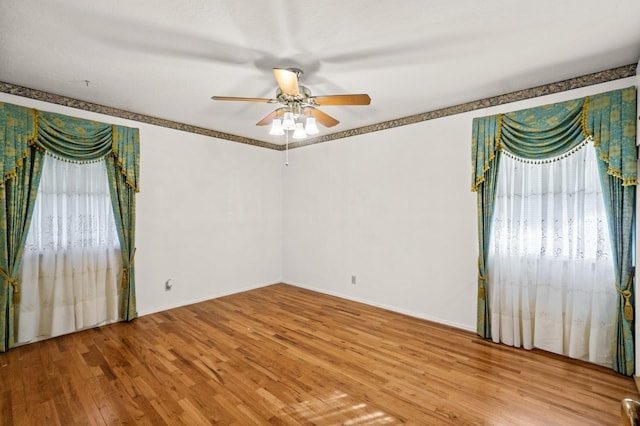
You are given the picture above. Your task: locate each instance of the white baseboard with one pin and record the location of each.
(319, 290)
(384, 306)
(201, 299)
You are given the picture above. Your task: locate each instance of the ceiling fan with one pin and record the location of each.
(298, 105)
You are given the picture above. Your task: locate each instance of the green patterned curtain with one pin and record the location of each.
(81, 140)
(545, 131)
(25, 135)
(73, 139)
(122, 169)
(550, 131)
(484, 139)
(21, 166)
(612, 122)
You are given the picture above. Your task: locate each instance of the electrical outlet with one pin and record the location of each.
(353, 279)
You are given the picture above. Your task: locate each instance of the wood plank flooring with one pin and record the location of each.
(288, 356)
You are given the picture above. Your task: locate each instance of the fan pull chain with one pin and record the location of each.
(286, 150)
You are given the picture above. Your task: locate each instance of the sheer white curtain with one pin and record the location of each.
(71, 264)
(551, 273)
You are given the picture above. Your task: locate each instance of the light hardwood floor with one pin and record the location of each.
(285, 355)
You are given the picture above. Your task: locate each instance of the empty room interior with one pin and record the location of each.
(279, 212)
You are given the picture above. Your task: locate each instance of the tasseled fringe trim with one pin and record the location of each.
(583, 121)
(19, 165)
(497, 146)
(617, 173)
(67, 160)
(548, 160)
(497, 142)
(120, 162)
(604, 156)
(32, 142)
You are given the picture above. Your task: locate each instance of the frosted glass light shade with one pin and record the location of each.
(276, 127)
(311, 128)
(299, 132)
(288, 122)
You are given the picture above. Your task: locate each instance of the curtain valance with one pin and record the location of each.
(25, 135)
(17, 134)
(552, 130)
(69, 138)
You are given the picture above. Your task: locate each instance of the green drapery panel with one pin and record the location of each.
(619, 203)
(126, 153)
(551, 131)
(26, 135)
(612, 119)
(122, 170)
(485, 134)
(123, 200)
(21, 171)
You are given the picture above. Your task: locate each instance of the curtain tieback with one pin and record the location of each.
(628, 308)
(14, 284)
(125, 271)
(481, 291)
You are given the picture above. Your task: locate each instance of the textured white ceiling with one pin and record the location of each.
(166, 58)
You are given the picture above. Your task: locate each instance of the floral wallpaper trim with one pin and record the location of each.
(547, 89)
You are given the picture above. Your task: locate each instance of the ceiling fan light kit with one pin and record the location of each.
(288, 122)
(311, 128)
(299, 133)
(298, 113)
(276, 127)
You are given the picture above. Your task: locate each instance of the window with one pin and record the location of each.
(72, 259)
(552, 280)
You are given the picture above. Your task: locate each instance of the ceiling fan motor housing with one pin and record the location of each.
(298, 102)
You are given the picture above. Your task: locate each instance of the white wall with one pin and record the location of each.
(209, 214)
(395, 209)
(389, 207)
(212, 222)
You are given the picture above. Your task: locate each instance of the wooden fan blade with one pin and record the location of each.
(287, 80)
(325, 119)
(361, 99)
(234, 98)
(267, 120)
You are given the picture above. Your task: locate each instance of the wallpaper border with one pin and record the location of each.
(534, 92)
